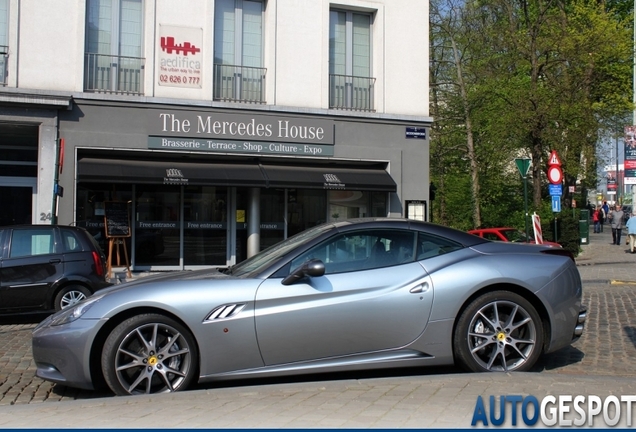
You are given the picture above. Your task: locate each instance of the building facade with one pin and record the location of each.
(219, 126)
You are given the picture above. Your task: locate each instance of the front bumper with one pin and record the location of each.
(62, 353)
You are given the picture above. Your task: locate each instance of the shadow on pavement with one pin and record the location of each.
(630, 332)
(564, 357)
(27, 318)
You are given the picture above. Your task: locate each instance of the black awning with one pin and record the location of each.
(166, 172)
(329, 177)
(90, 169)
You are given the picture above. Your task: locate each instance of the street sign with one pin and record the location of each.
(556, 204)
(555, 175)
(554, 159)
(555, 189)
(523, 165)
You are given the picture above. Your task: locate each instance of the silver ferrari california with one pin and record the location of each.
(350, 295)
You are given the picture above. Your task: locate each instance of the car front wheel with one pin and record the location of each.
(498, 331)
(69, 296)
(149, 353)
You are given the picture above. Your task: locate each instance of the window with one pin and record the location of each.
(4, 40)
(363, 250)
(31, 242)
(429, 246)
(350, 81)
(70, 242)
(238, 51)
(113, 62)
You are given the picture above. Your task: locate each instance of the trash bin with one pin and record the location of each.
(584, 227)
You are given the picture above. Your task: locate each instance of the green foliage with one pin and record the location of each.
(566, 225)
(518, 79)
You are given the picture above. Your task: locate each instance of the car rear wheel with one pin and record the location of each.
(70, 295)
(149, 353)
(498, 331)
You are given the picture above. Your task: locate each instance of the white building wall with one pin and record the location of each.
(50, 36)
(50, 41)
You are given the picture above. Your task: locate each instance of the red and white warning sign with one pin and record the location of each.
(536, 227)
(554, 159)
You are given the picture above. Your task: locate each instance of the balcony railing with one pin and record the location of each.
(113, 74)
(239, 83)
(351, 92)
(4, 62)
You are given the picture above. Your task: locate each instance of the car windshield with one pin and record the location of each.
(276, 251)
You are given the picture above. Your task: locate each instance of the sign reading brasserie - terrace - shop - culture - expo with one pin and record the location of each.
(239, 133)
(180, 56)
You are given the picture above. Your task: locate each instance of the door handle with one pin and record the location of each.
(55, 261)
(421, 288)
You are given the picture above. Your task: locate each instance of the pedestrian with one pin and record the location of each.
(631, 231)
(601, 217)
(617, 224)
(605, 208)
(595, 220)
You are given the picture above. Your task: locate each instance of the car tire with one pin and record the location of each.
(498, 331)
(147, 354)
(70, 295)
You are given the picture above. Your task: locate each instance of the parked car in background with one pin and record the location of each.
(350, 295)
(506, 234)
(48, 267)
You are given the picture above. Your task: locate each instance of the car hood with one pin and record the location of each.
(183, 275)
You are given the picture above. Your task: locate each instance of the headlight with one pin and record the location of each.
(72, 313)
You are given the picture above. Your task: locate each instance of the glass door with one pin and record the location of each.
(205, 225)
(157, 227)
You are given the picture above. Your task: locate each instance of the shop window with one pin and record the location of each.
(356, 204)
(89, 208)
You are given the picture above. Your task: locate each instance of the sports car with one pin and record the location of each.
(348, 295)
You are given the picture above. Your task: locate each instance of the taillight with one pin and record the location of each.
(99, 268)
(560, 252)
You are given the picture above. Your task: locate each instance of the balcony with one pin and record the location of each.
(348, 92)
(239, 83)
(4, 62)
(113, 74)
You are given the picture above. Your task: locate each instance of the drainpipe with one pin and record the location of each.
(57, 191)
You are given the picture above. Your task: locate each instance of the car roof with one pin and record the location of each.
(458, 236)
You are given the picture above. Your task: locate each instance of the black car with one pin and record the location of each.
(48, 267)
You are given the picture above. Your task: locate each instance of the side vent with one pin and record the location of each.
(225, 312)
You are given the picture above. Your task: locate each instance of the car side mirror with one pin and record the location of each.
(313, 268)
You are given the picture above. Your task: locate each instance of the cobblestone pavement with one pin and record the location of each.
(598, 363)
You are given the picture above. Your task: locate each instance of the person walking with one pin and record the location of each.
(605, 208)
(631, 231)
(617, 224)
(601, 217)
(595, 220)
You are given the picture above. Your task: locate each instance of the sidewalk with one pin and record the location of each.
(601, 261)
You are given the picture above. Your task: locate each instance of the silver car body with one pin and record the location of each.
(396, 316)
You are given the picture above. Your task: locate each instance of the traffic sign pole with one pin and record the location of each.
(555, 176)
(523, 165)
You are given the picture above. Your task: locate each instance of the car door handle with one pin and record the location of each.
(420, 288)
(55, 261)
